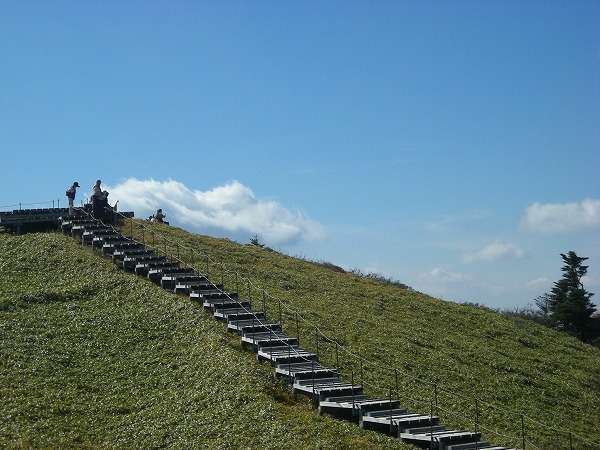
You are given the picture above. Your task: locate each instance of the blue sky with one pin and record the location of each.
(409, 138)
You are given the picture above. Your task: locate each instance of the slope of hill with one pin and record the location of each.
(93, 357)
(512, 366)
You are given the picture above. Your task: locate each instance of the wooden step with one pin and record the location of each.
(157, 273)
(208, 296)
(188, 287)
(440, 439)
(238, 314)
(260, 340)
(305, 371)
(247, 326)
(119, 255)
(143, 268)
(351, 408)
(323, 388)
(88, 237)
(400, 418)
(284, 354)
(483, 445)
(120, 248)
(221, 304)
(169, 281)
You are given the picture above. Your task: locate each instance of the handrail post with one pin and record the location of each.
(297, 329)
(390, 405)
(570, 441)
(312, 366)
(222, 275)
(352, 388)
(435, 393)
(207, 267)
(197, 258)
(264, 299)
(476, 421)
(431, 424)
(337, 357)
(290, 364)
(396, 378)
(317, 340)
(523, 431)
(362, 372)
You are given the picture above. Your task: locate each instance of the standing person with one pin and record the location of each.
(71, 196)
(96, 191)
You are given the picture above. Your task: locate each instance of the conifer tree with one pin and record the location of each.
(570, 305)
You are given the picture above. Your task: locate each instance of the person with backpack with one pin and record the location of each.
(71, 196)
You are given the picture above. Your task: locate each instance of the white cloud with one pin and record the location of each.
(438, 274)
(441, 282)
(459, 286)
(537, 283)
(591, 280)
(230, 210)
(495, 251)
(448, 221)
(562, 217)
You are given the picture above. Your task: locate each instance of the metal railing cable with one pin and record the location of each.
(385, 368)
(390, 370)
(333, 341)
(286, 306)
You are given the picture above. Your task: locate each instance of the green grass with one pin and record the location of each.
(513, 365)
(93, 357)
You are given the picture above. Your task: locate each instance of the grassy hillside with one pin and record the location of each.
(514, 366)
(93, 357)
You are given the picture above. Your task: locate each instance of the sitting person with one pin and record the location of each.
(159, 216)
(100, 206)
